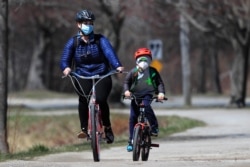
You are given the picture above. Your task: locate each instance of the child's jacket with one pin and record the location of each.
(148, 82)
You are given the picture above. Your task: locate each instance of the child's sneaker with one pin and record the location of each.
(129, 146)
(154, 132)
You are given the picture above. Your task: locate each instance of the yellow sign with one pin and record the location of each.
(157, 64)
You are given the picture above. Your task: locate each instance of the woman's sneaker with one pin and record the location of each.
(109, 135)
(129, 146)
(83, 134)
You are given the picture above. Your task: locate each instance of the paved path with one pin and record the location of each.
(173, 102)
(224, 142)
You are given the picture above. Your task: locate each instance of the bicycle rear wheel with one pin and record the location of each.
(95, 140)
(137, 143)
(146, 144)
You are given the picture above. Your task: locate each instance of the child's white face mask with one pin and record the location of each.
(143, 63)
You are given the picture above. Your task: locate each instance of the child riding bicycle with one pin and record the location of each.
(143, 81)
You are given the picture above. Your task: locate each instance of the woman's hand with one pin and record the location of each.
(66, 71)
(120, 69)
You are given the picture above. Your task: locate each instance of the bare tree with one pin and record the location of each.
(35, 80)
(186, 71)
(4, 148)
(115, 11)
(215, 66)
(227, 20)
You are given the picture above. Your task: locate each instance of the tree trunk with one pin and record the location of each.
(239, 75)
(35, 81)
(201, 73)
(116, 20)
(116, 92)
(215, 72)
(186, 72)
(4, 147)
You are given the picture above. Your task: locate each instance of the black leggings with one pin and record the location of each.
(103, 89)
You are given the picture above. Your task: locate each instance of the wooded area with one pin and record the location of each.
(45, 27)
(218, 43)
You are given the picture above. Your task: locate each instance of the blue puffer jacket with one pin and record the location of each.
(88, 58)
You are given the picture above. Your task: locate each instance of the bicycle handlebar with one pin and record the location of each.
(73, 77)
(95, 76)
(132, 97)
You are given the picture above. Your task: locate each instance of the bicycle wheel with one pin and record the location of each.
(146, 144)
(95, 141)
(137, 143)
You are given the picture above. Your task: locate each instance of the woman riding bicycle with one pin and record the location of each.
(92, 54)
(143, 82)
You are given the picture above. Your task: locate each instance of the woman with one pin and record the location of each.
(92, 54)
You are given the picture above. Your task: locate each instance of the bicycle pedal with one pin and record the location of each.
(154, 145)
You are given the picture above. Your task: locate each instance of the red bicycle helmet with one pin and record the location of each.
(143, 52)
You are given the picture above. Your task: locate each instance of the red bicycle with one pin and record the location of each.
(95, 126)
(142, 141)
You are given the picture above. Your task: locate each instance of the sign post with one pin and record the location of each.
(156, 48)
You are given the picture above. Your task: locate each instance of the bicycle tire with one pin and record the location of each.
(146, 144)
(95, 141)
(137, 143)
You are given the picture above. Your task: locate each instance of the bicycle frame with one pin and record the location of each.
(94, 120)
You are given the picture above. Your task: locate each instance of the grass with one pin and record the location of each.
(30, 136)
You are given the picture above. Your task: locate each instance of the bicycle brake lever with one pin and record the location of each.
(161, 101)
(125, 97)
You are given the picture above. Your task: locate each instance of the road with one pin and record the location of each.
(224, 142)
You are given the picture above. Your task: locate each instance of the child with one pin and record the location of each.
(143, 81)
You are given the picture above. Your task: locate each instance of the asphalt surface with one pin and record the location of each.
(224, 142)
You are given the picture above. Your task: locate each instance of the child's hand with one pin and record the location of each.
(127, 93)
(161, 96)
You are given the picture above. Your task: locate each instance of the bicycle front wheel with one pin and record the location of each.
(146, 144)
(95, 141)
(137, 143)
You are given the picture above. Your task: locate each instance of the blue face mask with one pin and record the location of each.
(87, 29)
